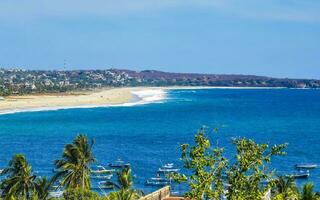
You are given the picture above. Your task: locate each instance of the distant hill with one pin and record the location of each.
(19, 81)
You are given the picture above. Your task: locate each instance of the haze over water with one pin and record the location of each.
(149, 135)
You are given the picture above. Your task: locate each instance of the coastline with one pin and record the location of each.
(108, 97)
(90, 99)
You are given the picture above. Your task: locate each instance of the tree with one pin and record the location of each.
(43, 186)
(285, 189)
(307, 192)
(124, 184)
(74, 167)
(206, 164)
(19, 181)
(80, 194)
(245, 176)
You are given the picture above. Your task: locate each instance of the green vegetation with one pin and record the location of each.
(209, 174)
(21, 183)
(244, 176)
(124, 184)
(74, 167)
(80, 194)
(249, 170)
(207, 165)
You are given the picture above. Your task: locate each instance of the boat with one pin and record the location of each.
(107, 177)
(168, 168)
(299, 175)
(56, 194)
(158, 181)
(101, 170)
(306, 166)
(105, 185)
(119, 164)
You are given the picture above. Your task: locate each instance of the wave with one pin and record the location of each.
(140, 97)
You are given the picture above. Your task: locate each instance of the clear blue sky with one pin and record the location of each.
(279, 38)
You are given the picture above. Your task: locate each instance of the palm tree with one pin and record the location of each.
(307, 192)
(286, 188)
(43, 188)
(124, 178)
(123, 195)
(74, 167)
(19, 181)
(124, 184)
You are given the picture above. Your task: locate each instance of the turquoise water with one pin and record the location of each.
(148, 135)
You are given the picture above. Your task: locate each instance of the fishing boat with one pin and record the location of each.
(101, 177)
(106, 185)
(306, 166)
(158, 181)
(167, 168)
(119, 164)
(299, 175)
(101, 170)
(56, 194)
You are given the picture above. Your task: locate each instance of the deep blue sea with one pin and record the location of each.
(149, 135)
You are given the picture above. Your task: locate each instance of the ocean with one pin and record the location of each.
(149, 133)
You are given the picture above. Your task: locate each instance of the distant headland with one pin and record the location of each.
(20, 81)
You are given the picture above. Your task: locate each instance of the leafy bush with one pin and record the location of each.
(79, 194)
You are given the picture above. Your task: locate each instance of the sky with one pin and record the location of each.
(279, 38)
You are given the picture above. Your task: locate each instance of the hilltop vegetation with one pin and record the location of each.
(18, 81)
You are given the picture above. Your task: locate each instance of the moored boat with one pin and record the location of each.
(106, 185)
(306, 166)
(119, 164)
(101, 170)
(168, 168)
(158, 181)
(56, 194)
(101, 177)
(299, 175)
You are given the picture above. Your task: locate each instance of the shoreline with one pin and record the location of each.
(107, 97)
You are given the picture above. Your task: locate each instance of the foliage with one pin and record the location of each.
(124, 184)
(80, 194)
(285, 189)
(123, 194)
(43, 186)
(308, 194)
(245, 176)
(19, 181)
(74, 167)
(206, 165)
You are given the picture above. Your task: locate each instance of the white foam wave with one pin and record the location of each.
(150, 95)
(141, 97)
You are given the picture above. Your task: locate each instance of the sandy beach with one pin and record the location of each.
(61, 100)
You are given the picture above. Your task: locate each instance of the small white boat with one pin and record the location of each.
(167, 168)
(168, 165)
(101, 170)
(106, 185)
(119, 164)
(56, 194)
(306, 166)
(158, 182)
(299, 175)
(101, 177)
